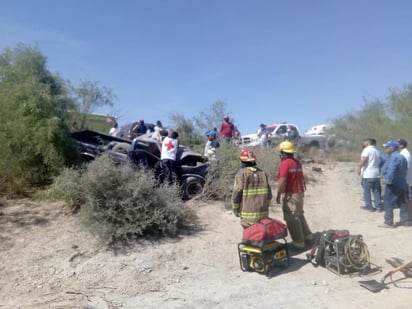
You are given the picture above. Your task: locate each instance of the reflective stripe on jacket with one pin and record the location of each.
(251, 194)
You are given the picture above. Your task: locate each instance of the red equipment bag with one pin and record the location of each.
(264, 231)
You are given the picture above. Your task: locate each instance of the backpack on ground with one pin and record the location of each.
(264, 231)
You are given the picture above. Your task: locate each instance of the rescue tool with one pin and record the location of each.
(377, 286)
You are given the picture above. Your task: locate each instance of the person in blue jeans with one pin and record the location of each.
(394, 173)
(369, 169)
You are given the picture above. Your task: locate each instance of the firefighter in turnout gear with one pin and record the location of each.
(291, 188)
(251, 191)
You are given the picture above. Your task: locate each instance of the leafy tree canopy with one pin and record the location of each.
(90, 95)
(35, 139)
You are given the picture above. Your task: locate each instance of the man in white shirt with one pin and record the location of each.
(263, 135)
(211, 145)
(168, 155)
(369, 170)
(406, 153)
(115, 130)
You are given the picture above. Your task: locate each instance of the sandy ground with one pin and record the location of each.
(48, 261)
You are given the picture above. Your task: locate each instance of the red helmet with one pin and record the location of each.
(247, 155)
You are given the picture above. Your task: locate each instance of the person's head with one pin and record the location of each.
(262, 125)
(115, 125)
(159, 123)
(174, 135)
(164, 133)
(226, 118)
(391, 146)
(211, 134)
(141, 121)
(368, 141)
(402, 143)
(286, 149)
(247, 157)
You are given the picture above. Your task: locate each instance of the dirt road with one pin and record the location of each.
(48, 261)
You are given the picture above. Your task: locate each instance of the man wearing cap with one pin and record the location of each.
(394, 174)
(227, 129)
(405, 152)
(211, 144)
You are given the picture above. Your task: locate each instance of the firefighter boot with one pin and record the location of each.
(296, 232)
(306, 230)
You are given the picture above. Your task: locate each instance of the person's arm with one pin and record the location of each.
(281, 188)
(363, 163)
(390, 172)
(237, 193)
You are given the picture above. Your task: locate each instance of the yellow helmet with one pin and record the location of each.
(286, 146)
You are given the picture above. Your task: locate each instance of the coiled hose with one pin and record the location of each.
(356, 252)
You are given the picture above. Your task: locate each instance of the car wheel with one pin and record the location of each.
(192, 187)
(122, 148)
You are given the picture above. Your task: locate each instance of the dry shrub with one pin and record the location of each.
(343, 156)
(310, 175)
(118, 202)
(268, 160)
(219, 182)
(14, 187)
(67, 186)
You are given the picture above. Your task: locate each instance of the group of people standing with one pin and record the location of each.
(264, 133)
(169, 145)
(395, 170)
(252, 194)
(228, 133)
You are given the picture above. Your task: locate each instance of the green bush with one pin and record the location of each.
(35, 138)
(118, 202)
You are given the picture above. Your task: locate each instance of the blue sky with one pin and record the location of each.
(304, 62)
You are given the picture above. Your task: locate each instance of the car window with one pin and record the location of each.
(282, 129)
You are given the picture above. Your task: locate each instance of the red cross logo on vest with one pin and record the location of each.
(169, 145)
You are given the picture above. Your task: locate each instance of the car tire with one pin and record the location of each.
(192, 187)
(122, 148)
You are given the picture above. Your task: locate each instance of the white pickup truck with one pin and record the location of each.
(279, 132)
(276, 133)
(316, 137)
